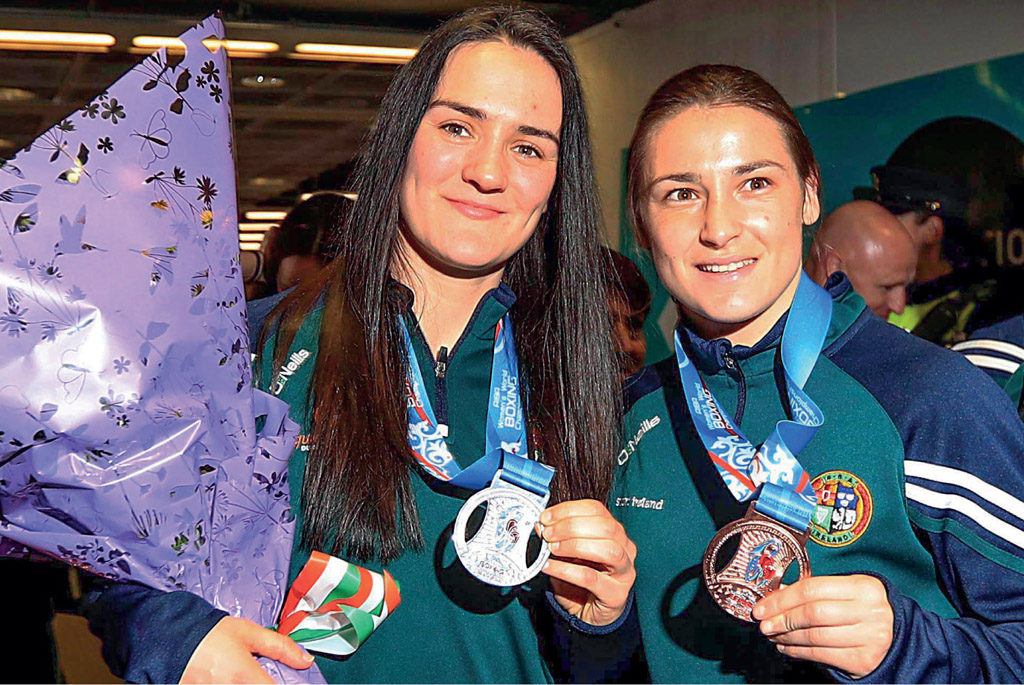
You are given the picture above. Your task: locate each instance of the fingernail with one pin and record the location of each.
(307, 656)
(781, 648)
(758, 612)
(767, 627)
(554, 546)
(545, 518)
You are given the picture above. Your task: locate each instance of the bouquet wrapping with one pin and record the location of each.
(129, 438)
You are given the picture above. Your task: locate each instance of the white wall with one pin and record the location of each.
(808, 49)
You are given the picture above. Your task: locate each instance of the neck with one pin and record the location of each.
(444, 302)
(931, 264)
(749, 332)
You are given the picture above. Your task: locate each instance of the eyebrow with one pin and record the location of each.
(744, 169)
(688, 177)
(480, 115)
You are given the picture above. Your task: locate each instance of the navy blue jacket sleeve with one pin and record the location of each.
(578, 652)
(148, 635)
(997, 350)
(964, 469)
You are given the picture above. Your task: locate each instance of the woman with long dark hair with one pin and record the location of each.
(792, 426)
(475, 230)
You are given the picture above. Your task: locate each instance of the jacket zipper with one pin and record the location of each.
(441, 389)
(741, 390)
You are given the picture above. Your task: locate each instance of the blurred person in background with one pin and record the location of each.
(870, 245)
(953, 293)
(629, 300)
(296, 250)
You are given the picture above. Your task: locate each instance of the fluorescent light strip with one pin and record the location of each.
(53, 38)
(357, 53)
(265, 215)
(250, 247)
(250, 237)
(234, 47)
(247, 226)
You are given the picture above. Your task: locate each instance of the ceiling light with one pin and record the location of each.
(257, 237)
(265, 215)
(55, 40)
(261, 81)
(235, 48)
(250, 247)
(354, 53)
(248, 226)
(16, 95)
(267, 182)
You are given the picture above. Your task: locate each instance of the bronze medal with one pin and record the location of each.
(766, 550)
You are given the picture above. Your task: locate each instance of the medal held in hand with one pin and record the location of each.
(513, 488)
(497, 553)
(773, 534)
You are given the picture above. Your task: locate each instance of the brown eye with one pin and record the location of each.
(681, 195)
(758, 183)
(455, 130)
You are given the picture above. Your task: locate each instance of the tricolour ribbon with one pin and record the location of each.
(771, 472)
(333, 606)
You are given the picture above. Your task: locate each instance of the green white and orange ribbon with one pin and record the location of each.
(333, 606)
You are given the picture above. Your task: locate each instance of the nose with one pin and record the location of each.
(720, 227)
(485, 167)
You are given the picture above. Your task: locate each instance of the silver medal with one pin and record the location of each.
(497, 553)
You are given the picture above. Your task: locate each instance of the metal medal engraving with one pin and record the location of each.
(766, 550)
(497, 553)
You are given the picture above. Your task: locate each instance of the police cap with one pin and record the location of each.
(906, 189)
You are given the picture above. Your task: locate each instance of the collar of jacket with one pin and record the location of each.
(485, 315)
(710, 356)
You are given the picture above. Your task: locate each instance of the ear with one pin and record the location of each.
(932, 230)
(812, 206)
(833, 263)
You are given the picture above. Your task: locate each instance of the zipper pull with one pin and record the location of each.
(730, 363)
(441, 365)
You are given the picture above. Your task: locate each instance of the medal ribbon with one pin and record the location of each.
(506, 444)
(786, 493)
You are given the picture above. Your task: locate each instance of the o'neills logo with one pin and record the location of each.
(289, 368)
(844, 509)
(631, 446)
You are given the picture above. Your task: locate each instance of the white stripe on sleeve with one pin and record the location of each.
(941, 500)
(967, 481)
(997, 363)
(1000, 346)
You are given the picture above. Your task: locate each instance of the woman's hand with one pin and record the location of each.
(591, 564)
(225, 655)
(840, 621)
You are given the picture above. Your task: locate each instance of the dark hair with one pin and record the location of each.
(304, 232)
(357, 495)
(711, 85)
(627, 283)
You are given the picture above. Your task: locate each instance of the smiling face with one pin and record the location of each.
(483, 161)
(725, 207)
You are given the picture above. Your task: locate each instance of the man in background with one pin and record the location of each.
(952, 293)
(870, 245)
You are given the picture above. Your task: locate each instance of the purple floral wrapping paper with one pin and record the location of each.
(128, 440)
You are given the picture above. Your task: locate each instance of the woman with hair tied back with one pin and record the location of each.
(474, 241)
(794, 429)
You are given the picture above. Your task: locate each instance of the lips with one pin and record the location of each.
(475, 210)
(725, 267)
